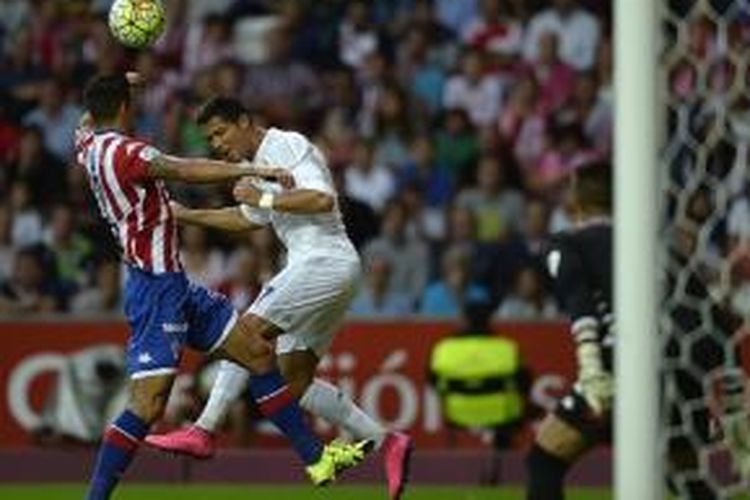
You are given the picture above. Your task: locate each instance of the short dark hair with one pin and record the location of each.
(593, 186)
(104, 95)
(225, 108)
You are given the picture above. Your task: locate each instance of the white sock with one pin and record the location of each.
(322, 399)
(230, 382)
(332, 404)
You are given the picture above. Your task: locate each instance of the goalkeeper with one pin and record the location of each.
(579, 262)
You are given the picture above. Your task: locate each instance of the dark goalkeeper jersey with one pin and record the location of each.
(579, 262)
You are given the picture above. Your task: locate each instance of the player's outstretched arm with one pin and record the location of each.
(298, 201)
(205, 171)
(224, 219)
(194, 171)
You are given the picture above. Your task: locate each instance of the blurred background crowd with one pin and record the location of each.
(706, 149)
(450, 127)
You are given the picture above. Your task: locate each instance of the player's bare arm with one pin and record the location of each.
(204, 171)
(298, 201)
(228, 219)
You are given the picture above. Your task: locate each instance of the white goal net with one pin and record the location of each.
(706, 183)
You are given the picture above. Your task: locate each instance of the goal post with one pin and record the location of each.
(637, 462)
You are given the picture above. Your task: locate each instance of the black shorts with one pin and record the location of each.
(576, 412)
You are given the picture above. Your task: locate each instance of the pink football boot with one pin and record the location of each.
(192, 441)
(396, 451)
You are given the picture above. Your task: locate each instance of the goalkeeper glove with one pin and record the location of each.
(595, 384)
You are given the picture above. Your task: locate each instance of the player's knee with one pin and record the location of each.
(250, 349)
(259, 326)
(260, 364)
(298, 382)
(149, 408)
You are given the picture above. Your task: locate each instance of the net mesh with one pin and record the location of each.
(707, 231)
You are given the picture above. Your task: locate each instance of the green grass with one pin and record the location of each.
(249, 492)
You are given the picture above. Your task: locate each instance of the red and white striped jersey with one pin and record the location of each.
(135, 205)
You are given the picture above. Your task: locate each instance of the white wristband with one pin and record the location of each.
(266, 201)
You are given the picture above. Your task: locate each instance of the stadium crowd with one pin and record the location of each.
(450, 128)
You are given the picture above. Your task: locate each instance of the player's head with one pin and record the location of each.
(227, 125)
(592, 189)
(475, 318)
(107, 99)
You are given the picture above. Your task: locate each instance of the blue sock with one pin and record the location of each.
(272, 395)
(118, 446)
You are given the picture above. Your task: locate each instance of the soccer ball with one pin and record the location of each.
(136, 23)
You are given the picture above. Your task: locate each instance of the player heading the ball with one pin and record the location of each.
(164, 310)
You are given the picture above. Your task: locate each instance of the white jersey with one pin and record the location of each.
(303, 235)
(310, 296)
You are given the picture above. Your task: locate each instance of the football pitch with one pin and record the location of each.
(245, 492)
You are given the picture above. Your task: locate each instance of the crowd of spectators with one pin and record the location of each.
(450, 128)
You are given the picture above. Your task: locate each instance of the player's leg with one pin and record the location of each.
(231, 381)
(249, 346)
(155, 308)
(249, 342)
(318, 397)
(319, 294)
(309, 297)
(316, 303)
(557, 446)
(199, 439)
(324, 399)
(148, 397)
(312, 299)
(211, 325)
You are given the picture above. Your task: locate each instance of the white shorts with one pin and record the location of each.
(308, 299)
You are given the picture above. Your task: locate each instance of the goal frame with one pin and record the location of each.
(637, 462)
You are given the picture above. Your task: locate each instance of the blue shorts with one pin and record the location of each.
(166, 312)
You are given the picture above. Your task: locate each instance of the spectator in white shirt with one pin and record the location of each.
(738, 225)
(357, 38)
(578, 30)
(27, 220)
(479, 94)
(368, 182)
